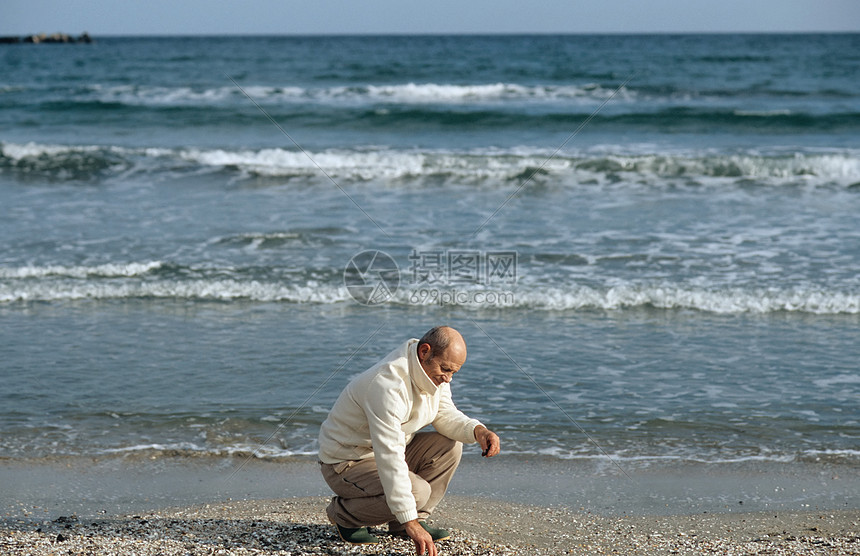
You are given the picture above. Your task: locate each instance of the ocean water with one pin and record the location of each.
(650, 243)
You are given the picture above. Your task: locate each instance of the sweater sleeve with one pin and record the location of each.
(386, 410)
(452, 422)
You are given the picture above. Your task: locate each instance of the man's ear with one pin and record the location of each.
(423, 350)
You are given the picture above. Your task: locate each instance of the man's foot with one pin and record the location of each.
(358, 535)
(355, 536)
(435, 533)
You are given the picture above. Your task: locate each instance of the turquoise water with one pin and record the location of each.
(649, 242)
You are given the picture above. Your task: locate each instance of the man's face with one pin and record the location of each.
(440, 367)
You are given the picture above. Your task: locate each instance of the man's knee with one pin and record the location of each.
(457, 449)
(432, 451)
(421, 490)
(445, 445)
(453, 449)
(446, 460)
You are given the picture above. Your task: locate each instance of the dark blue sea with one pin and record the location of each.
(650, 243)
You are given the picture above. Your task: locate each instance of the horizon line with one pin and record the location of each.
(434, 33)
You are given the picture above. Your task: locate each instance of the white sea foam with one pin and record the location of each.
(723, 300)
(599, 165)
(125, 281)
(177, 446)
(282, 162)
(833, 453)
(691, 456)
(385, 164)
(381, 164)
(261, 451)
(211, 289)
(453, 93)
(47, 151)
(104, 271)
(17, 151)
(142, 95)
(402, 93)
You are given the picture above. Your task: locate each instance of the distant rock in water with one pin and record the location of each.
(42, 38)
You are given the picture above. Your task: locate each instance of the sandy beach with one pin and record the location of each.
(167, 507)
(480, 526)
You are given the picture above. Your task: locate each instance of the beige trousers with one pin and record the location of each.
(360, 501)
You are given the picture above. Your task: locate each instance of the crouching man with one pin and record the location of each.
(373, 457)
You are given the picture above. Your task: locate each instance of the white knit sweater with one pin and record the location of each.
(377, 414)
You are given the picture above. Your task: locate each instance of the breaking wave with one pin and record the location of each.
(156, 280)
(403, 93)
(720, 300)
(102, 271)
(840, 167)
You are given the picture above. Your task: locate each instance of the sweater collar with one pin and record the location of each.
(416, 371)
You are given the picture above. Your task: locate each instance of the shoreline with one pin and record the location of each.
(44, 489)
(481, 527)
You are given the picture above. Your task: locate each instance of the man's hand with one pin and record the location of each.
(422, 539)
(489, 441)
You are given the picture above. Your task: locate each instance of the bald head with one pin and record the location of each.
(441, 351)
(442, 338)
